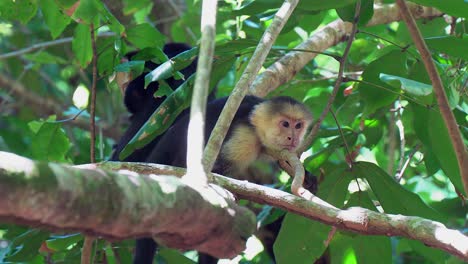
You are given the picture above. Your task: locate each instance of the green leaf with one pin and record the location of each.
(299, 237)
(235, 47)
(131, 66)
(449, 45)
(172, 66)
(63, 242)
(109, 19)
(27, 245)
(145, 35)
(108, 55)
(334, 187)
(407, 85)
(369, 249)
(323, 5)
(341, 249)
(44, 57)
(154, 54)
(50, 143)
(172, 106)
(392, 196)
(300, 240)
(86, 11)
(317, 159)
(257, 7)
(350, 110)
(373, 130)
(81, 45)
(457, 8)
(173, 256)
(433, 254)
(450, 207)
(22, 10)
(55, 19)
(419, 74)
(373, 91)
(66, 3)
(443, 149)
(430, 161)
(367, 11)
(360, 50)
(133, 6)
(431, 130)
(163, 90)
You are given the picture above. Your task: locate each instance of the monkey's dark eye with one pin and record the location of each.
(285, 123)
(298, 126)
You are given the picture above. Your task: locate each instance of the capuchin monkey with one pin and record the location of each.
(141, 103)
(278, 123)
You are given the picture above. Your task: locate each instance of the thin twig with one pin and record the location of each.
(403, 48)
(409, 98)
(338, 82)
(401, 132)
(88, 240)
(348, 152)
(401, 171)
(73, 118)
(46, 45)
(447, 115)
(92, 111)
(391, 143)
(179, 14)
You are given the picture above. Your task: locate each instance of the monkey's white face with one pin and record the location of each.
(284, 133)
(281, 125)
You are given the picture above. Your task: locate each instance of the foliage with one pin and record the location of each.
(385, 108)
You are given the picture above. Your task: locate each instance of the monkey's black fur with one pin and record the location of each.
(141, 103)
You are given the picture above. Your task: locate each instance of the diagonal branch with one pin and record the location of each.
(286, 68)
(442, 101)
(359, 220)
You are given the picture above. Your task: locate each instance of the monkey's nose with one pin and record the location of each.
(289, 138)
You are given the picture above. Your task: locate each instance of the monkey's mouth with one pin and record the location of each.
(290, 147)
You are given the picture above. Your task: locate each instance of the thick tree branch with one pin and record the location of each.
(354, 219)
(442, 101)
(78, 198)
(120, 206)
(335, 32)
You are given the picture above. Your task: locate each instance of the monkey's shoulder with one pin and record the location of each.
(242, 147)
